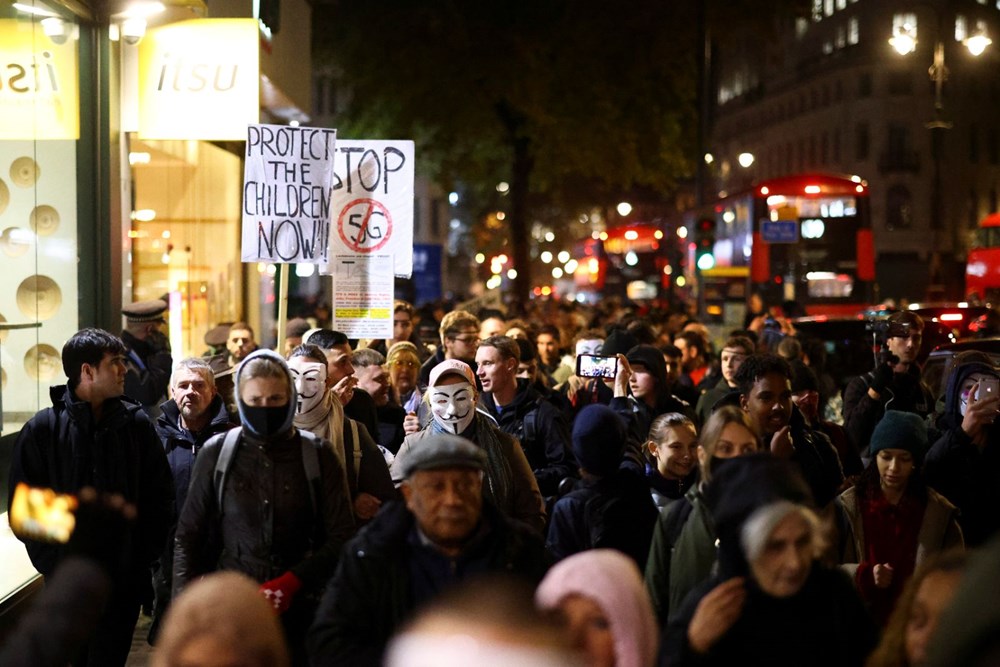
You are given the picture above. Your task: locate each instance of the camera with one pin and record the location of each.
(885, 329)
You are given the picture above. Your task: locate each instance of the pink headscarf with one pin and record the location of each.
(612, 580)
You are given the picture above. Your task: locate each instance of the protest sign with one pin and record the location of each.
(287, 186)
(372, 202)
(363, 295)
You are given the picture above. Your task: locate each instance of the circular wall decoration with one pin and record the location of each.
(3, 334)
(42, 363)
(14, 241)
(24, 172)
(4, 196)
(44, 220)
(41, 293)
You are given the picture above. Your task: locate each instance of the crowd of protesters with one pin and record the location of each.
(475, 498)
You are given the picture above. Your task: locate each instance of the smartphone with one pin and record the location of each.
(596, 366)
(988, 388)
(42, 514)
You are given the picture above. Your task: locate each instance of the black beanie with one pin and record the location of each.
(803, 378)
(598, 440)
(652, 359)
(618, 341)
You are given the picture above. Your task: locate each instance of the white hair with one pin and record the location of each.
(195, 365)
(757, 529)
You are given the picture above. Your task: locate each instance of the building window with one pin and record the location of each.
(899, 140)
(861, 142)
(898, 208)
(865, 85)
(828, 7)
(841, 41)
(961, 28)
(974, 143)
(853, 30)
(836, 146)
(900, 83)
(905, 24)
(827, 48)
(973, 209)
(817, 11)
(841, 4)
(824, 149)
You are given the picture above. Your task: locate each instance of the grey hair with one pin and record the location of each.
(196, 365)
(366, 357)
(758, 527)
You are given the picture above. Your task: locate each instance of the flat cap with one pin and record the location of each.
(145, 311)
(217, 336)
(442, 450)
(452, 367)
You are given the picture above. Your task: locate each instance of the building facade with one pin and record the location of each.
(828, 92)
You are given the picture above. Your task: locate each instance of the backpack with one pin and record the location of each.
(310, 461)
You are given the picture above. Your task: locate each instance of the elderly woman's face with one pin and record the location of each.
(783, 565)
(403, 372)
(589, 630)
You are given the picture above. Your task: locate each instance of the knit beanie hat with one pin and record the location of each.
(598, 439)
(618, 341)
(612, 580)
(652, 360)
(900, 430)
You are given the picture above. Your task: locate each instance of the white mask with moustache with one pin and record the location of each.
(310, 384)
(453, 406)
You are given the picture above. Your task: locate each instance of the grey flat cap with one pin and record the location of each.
(442, 450)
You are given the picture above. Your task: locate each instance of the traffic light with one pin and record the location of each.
(704, 238)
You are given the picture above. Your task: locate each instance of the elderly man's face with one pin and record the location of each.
(375, 380)
(447, 503)
(192, 393)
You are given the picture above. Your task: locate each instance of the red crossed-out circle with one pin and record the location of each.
(368, 206)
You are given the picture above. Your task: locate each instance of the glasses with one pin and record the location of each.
(467, 338)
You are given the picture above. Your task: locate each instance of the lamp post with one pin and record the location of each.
(904, 41)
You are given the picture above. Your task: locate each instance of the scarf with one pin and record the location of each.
(327, 421)
(499, 475)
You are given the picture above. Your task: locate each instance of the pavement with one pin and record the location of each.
(141, 654)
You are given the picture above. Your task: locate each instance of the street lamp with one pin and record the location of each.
(904, 41)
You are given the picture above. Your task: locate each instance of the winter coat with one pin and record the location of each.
(148, 373)
(816, 458)
(374, 590)
(61, 448)
(967, 474)
(823, 625)
(862, 412)
(269, 526)
(524, 503)
(709, 398)
(181, 445)
(939, 529)
(548, 451)
(614, 512)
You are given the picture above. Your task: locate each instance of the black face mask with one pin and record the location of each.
(265, 422)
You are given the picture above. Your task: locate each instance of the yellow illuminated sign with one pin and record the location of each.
(39, 94)
(199, 80)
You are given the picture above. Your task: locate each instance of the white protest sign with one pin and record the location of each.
(286, 194)
(372, 202)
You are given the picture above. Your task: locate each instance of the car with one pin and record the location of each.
(940, 361)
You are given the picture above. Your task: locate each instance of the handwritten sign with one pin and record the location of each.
(372, 202)
(287, 186)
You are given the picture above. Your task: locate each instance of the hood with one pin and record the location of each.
(286, 425)
(951, 416)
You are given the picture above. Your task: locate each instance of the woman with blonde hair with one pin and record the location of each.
(683, 548)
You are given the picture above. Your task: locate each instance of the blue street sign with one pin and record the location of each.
(426, 272)
(779, 231)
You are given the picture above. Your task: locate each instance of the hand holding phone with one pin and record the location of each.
(596, 366)
(988, 388)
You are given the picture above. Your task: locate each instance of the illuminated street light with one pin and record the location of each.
(546, 256)
(571, 266)
(709, 158)
(550, 237)
(512, 273)
(745, 160)
(557, 273)
(480, 258)
(563, 257)
(978, 43)
(503, 187)
(453, 198)
(624, 208)
(682, 232)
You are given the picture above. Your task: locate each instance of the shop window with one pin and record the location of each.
(898, 208)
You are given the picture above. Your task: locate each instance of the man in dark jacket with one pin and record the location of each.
(894, 384)
(93, 436)
(410, 553)
(194, 413)
(521, 412)
(147, 357)
(765, 385)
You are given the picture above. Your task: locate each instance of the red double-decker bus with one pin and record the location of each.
(805, 238)
(982, 268)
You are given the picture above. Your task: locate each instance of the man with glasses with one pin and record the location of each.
(894, 384)
(459, 340)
